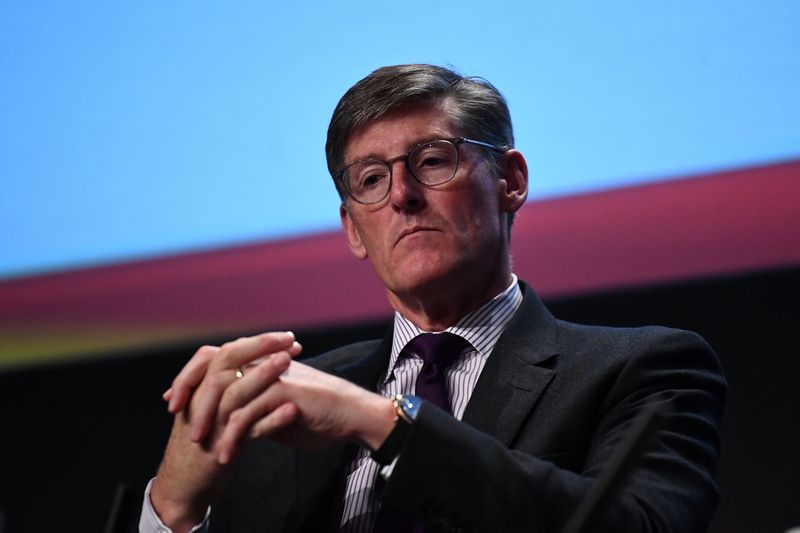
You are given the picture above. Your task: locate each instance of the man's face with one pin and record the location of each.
(427, 238)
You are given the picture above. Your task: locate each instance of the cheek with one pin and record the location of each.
(481, 216)
(376, 241)
(369, 224)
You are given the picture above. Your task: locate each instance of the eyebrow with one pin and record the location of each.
(373, 155)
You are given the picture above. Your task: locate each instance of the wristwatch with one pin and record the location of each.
(407, 408)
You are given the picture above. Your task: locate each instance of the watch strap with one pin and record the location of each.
(393, 444)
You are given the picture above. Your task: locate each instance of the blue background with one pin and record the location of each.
(129, 130)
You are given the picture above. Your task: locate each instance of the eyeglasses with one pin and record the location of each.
(432, 163)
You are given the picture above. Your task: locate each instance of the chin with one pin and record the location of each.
(427, 275)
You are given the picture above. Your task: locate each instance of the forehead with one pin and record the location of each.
(397, 131)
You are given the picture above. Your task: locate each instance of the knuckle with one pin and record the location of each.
(207, 351)
(265, 371)
(280, 361)
(230, 400)
(217, 381)
(234, 424)
(227, 353)
(230, 345)
(225, 440)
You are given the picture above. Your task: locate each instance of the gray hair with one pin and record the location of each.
(474, 106)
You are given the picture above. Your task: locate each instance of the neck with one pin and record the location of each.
(438, 305)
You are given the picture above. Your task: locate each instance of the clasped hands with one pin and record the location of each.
(218, 413)
(275, 397)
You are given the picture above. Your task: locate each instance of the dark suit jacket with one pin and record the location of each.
(547, 413)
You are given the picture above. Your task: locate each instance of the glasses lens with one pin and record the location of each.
(367, 181)
(435, 162)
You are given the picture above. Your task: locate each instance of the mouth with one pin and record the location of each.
(413, 231)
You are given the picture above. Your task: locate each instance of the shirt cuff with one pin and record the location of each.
(386, 471)
(149, 522)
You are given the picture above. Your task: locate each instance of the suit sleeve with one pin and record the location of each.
(456, 478)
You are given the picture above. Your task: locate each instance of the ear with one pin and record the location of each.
(351, 231)
(513, 182)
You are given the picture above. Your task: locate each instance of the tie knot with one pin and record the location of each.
(438, 348)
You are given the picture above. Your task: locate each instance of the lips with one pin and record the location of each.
(411, 231)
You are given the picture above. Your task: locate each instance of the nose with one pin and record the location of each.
(407, 194)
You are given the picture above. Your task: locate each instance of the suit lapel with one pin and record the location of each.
(509, 386)
(367, 371)
(512, 380)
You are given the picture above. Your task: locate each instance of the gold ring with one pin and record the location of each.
(239, 373)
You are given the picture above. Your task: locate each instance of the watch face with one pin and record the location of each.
(410, 405)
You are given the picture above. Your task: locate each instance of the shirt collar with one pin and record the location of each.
(481, 328)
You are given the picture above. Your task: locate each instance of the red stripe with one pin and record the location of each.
(721, 223)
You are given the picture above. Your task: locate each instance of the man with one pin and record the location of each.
(512, 428)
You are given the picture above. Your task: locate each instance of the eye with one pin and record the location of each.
(371, 180)
(433, 157)
(368, 175)
(431, 160)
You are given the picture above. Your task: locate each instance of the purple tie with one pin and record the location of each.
(437, 351)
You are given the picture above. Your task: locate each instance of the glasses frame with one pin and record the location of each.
(455, 141)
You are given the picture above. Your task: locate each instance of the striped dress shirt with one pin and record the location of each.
(481, 328)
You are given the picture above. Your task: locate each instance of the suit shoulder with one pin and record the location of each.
(653, 351)
(535, 323)
(630, 339)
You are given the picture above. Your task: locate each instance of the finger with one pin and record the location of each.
(240, 420)
(256, 380)
(295, 349)
(279, 419)
(248, 349)
(276, 420)
(221, 374)
(190, 377)
(204, 401)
